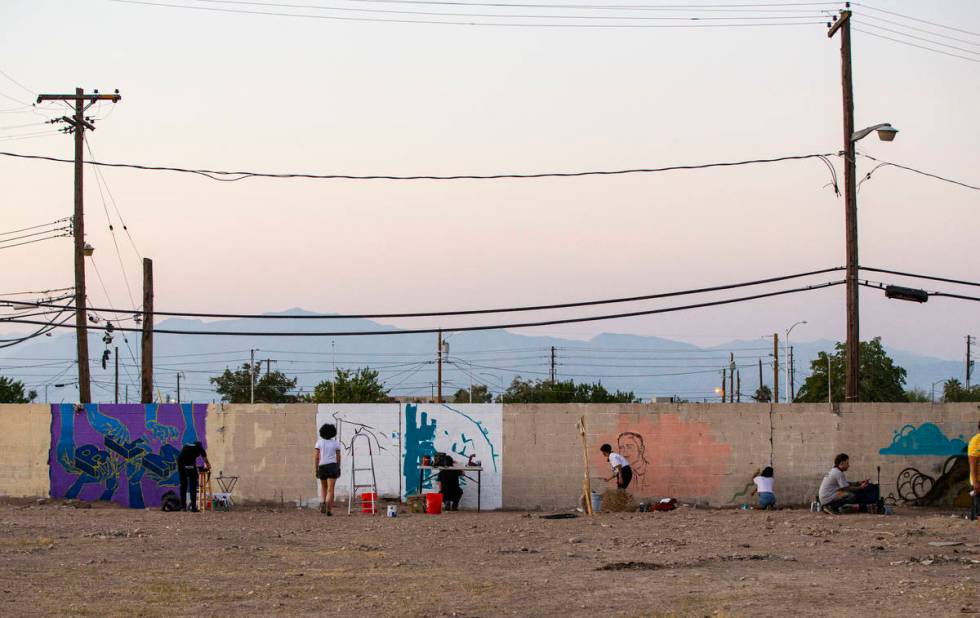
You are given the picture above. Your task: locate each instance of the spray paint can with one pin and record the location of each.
(392, 510)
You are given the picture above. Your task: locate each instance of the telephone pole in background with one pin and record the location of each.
(738, 387)
(146, 358)
(969, 362)
(731, 377)
(724, 385)
(116, 354)
(553, 364)
(178, 387)
(251, 374)
(775, 367)
(268, 365)
(77, 124)
(439, 363)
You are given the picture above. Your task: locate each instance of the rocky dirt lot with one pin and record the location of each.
(56, 559)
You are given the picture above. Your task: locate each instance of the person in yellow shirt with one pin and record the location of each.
(973, 453)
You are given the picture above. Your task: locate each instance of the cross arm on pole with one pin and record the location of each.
(844, 16)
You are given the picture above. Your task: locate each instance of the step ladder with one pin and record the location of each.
(356, 467)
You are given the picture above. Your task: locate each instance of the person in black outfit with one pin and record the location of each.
(449, 486)
(187, 467)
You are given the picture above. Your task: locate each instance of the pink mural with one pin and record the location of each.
(670, 456)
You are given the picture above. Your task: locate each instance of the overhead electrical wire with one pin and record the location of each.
(876, 19)
(877, 285)
(917, 19)
(762, 6)
(594, 318)
(916, 37)
(419, 314)
(218, 174)
(917, 276)
(435, 22)
(894, 40)
(884, 163)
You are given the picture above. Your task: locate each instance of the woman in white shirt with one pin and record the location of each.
(326, 465)
(620, 467)
(764, 486)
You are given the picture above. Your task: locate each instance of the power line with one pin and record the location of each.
(875, 18)
(912, 169)
(34, 227)
(881, 286)
(894, 40)
(917, 38)
(931, 23)
(30, 242)
(217, 174)
(728, 7)
(915, 276)
(434, 22)
(595, 318)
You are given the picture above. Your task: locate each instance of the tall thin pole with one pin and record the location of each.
(969, 363)
(775, 367)
(853, 353)
(830, 391)
(251, 376)
(116, 354)
(146, 386)
(552, 364)
(738, 386)
(761, 383)
(792, 376)
(731, 377)
(724, 385)
(439, 352)
(178, 387)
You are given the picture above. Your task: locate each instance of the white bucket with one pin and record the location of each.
(596, 502)
(392, 510)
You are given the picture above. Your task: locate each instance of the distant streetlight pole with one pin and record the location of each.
(789, 360)
(886, 133)
(251, 374)
(933, 389)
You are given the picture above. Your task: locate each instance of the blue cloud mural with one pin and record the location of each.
(926, 439)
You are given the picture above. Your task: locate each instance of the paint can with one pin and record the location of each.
(596, 502)
(392, 510)
(889, 509)
(815, 507)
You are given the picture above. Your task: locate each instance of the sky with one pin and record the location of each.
(219, 90)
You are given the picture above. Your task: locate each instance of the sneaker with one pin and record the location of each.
(829, 510)
(329, 514)
(323, 507)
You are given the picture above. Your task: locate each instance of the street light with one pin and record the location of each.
(933, 389)
(789, 361)
(886, 132)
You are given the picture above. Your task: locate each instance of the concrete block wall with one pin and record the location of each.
(268, 446)
(25, 437)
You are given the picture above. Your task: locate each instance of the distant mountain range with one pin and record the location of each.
(649, 366)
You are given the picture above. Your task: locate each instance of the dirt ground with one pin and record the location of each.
(56, 559)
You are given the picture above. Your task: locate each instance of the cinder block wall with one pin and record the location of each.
(25, 436)
(709, 453)
(268, 446)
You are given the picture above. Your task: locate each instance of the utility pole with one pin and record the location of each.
(731, 377)
(761, 383)
(178, 387)
(724, 385)
(439, 378)
(853, 353)
(738, 387)
(792, 376)
(77, 124)
(775, 367)
(116, 354)
(146, 361)
(268, 365)
(830, 391)
(969, 363)
(553, 365)
(251, 375)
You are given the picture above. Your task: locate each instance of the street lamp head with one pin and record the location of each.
(887, 133)
(88, 250)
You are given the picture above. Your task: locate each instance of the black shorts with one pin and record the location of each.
(625, 476)
(328, 471)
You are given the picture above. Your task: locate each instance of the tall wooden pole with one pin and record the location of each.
(146, 386)
(775, 367)
(586, 482)
(116, 350)
(439, 378)
(81, 326)
(852, 363)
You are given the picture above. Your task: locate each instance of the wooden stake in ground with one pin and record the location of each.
(586, 485)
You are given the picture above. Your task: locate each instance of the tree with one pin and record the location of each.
(477, 393)
(546, 391)
(953, 390)
(357, 386)
(12, 391)
(763, 394)
(917, 395)
(271, 387)
(881, 378)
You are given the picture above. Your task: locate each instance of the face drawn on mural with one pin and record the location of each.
(630, 445)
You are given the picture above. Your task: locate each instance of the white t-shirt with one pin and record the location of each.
(615, 459)
(764, 484)
(833, 481)
(328, 450)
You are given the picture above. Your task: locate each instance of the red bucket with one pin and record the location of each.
(433, 504)
(369, 502)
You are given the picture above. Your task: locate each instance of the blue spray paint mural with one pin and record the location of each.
(460, 431)
(926, 439)
(126, 453)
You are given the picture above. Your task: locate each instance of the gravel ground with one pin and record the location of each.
(56, 559)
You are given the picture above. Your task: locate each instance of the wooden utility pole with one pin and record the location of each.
(738, 387)
(731, 377)
(77, 124)
(178, 387)
(724, 385)
(586, 481)
(552, 364)
(853, 353)
(116, 354)
(146, 359)
(969, 362)
(792, 376)
(761, 383)
(775, 367)
(439, 377)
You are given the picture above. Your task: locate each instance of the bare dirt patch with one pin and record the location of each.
(59, 560)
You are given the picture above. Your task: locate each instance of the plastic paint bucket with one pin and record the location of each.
(596, 502)
(369, 501)
(433, 504)
(392, 510)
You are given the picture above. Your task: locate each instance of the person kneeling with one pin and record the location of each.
(836, 491)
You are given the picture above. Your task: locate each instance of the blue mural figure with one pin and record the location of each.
(420, 437)
(92, 464)
(157, 430)
(926, 439)
(494, 455)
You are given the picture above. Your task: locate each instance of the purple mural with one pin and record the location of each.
(126, 453)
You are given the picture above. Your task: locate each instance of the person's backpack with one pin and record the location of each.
(169, 502)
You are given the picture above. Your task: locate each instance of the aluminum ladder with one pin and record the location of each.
(372, 487)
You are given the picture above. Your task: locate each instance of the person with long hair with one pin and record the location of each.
(326, 465)
(764, 487)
